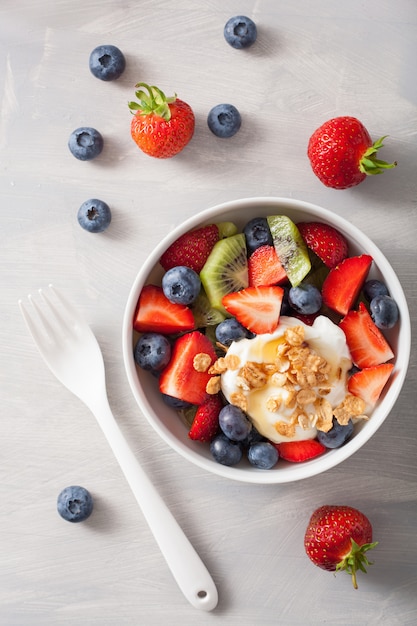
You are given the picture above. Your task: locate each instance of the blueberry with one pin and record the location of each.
(74, 504)
(374, 287)
(231, 330)
(107, 62)
(94, 215)
(384, 311)
(263, 455)
(285, 304)
(224, 120)
(253, 437)
(175, 403)
(305, 298)
(257, 234)
(181, 285)
(152, 351)
(225, 451)
(240, 32)
(234, 423)
(336, 436)
(85, 143)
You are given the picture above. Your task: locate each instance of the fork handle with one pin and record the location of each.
(186, 566)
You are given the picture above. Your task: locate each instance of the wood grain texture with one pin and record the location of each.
(312, 60)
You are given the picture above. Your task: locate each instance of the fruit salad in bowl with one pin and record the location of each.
(266, 339)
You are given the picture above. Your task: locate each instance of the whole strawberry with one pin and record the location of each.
(325, 241)
(342, 154)
(193, 247)
(337, 538)
(161, 126)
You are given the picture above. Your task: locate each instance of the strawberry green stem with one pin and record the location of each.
(151, 101)
(369, 164)
(356, 560)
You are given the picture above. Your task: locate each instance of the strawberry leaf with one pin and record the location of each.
(152, 101)
(356, 560)
(369, 164)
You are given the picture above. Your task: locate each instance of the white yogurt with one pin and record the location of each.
(323, 338)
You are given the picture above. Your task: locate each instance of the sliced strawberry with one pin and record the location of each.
(369, 382)
(344, 282)
(299, 451)
(325, 241)
(206, 420)
(264, 267)
(155, 313)
(256, 308)
(191, 249)
(180, 379)
(366, 343)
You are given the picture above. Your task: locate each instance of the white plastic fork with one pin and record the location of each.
(72, 353)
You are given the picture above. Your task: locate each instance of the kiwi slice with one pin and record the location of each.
(226, 270)
(318, 272)
(204, 314)
(226, 229)
(187, 415)
(290, 247)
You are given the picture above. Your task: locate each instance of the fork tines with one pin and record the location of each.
(50, 318)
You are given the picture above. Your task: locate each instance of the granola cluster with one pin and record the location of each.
(302, 378)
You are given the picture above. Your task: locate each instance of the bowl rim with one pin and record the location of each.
(297, 471)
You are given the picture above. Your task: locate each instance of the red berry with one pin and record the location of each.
(325, 241)
(342, 154)
(367, 345)
(256, 308)
(300, 451)
(206, 419)
(337, 538)
(265, 268)
(181, 379)
(155, 313)
(191, 249)
(369, 382)
(342, 285)
(161, 126)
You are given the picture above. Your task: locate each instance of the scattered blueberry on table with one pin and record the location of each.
(75, 504)
(85, 143)
(94, 215)
(224, 120)
(107, 62)
(240, 32)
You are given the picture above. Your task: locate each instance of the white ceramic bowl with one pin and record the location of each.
(163, 418)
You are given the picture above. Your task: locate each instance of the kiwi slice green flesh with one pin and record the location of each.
(318, 272)
(226, 270)
(290, 247)
(204, 314)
